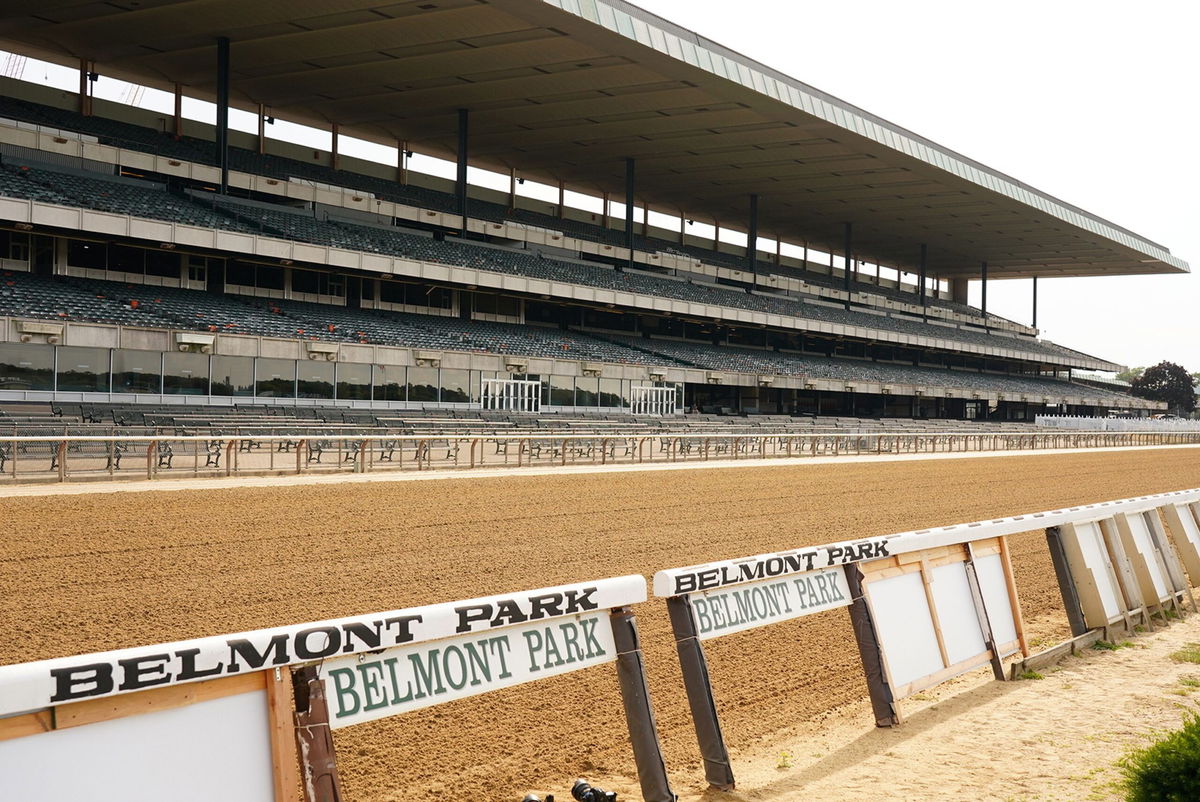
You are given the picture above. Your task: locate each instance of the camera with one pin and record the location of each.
(586, 793)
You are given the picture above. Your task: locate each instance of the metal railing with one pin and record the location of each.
(50, 458)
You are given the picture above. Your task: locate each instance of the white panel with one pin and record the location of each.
(1091, 544)
(905, 627)
(186, 754)
(994, 587)
(956, 613)
(1141, 539)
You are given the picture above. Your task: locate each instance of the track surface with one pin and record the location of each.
(95, 572)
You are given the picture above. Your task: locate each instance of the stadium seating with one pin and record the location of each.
(128, 135)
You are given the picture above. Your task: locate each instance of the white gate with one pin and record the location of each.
(652, 400)
(511, 395)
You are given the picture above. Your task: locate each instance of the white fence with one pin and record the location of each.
(653, 400)
(511, 395)
(1082, 424)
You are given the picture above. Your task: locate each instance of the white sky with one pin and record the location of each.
(1091, 101)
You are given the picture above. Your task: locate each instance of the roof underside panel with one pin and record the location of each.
(567, 90)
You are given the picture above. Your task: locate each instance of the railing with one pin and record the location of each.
(79, 458)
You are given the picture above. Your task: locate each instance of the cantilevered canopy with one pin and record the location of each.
(568, 89)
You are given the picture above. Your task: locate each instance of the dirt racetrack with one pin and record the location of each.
(100, 571)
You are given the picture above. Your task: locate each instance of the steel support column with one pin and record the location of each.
(752, 240)
(630, 187)
(178, 120)
(262, 129)
(335, 159)
(562, 200)
(1035, 302)
(848, 253)
(983, 287)
(460, 183)
(922, 275)
(223, 111)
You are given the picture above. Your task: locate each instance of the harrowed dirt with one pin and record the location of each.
(86, 573)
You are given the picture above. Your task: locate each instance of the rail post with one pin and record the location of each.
(150, 458)
(229, 457)
(62, 461)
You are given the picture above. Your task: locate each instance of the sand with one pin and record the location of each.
(93, 572)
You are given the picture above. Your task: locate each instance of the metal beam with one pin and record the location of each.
(847, 252)
(983, 302)
(924, 264)
(460, 185)
(630, 187)
(1035, 302)
(752, 239)
(223, 111)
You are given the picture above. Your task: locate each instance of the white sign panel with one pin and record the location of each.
(740, 607)
(31, 686)
(376, 685)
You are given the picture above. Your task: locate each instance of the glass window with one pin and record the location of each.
(305, 281)
(137, 372)
(82, 370)
(275, 378)
(354, 381)
(164, 264)
(387, 382)
(185, 374)
(269, 277)
(587, 391)
(125, 259)
(455, 386)
(422, 384)
(610, 393)
(26, 367)
(314, 379)
(562, 391)
(87, 254)
(232, 375)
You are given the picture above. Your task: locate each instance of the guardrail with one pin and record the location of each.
(60, 458)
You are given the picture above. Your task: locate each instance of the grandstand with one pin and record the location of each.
(151, 261)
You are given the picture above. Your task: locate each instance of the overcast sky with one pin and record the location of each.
(1092, 101)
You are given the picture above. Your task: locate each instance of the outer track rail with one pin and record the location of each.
(64, 458)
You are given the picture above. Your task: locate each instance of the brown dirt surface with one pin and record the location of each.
(95, 572)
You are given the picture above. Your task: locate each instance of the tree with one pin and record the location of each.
(1168, 382)
(1129, 374)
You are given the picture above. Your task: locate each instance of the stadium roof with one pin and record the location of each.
(568, 89)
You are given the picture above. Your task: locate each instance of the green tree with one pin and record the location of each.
(1167, 382)
(1129, 374)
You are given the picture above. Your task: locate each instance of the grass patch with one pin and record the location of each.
(1168, 769)
(1030, 674)
(1109, 646)
(1189, 681)
(1190, 653)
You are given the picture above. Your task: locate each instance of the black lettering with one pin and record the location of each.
(254, 659)
(581, 600)
(188, 670)
(546, 606)
(78, 682)
(333, 641)
(370, 637)
(474, 612)
(136, 675)
(403, 625)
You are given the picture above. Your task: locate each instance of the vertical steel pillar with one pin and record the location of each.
(1035, 302)
(223, 111)
(262, 129)
(401, 162)
(562, 200)
(848, 253)
(460, 183)
(512, 189)
(752, 239)
(335, 159)
(178, 112)
(630, 187)
(922, 274)
(983, 303)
